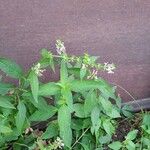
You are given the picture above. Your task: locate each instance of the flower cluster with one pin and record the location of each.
(93, 75)
(60, 47)
(37, 69)
(58, 143)
(109, 67)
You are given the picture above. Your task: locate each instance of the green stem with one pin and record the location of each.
(79, 138)
(21, 144)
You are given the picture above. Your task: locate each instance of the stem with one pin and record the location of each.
(57, 56)
(129, 95)
(80, 137)
(21, 144)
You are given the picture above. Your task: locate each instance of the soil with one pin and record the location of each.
(125, 126)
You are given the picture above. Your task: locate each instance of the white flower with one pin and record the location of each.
(60, 48)
(83, 66)
(59, 143)
(93, 75)
(37, 69)
(109, 67)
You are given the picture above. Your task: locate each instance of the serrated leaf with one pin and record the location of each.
(107, 92)
(96, 122)
(74, 71)
(49, 89)
(105, 139)
(43, 115)
(127, 110)
(5, 102)
(10, 68)
(130, 145)
(64, 121)
(118, 102)
(77, 124)
(4, 129)
(86, 147)
(67, 95)
(146, 119)
(79, 110)
(51, 131)
(63, 72)
(108, 127)
(90, 102)
(34, 82)
(82, 73)
(106, 104)
(115, 145)
(109, 109)
(132, 135)
(5, 87)
(83, 85)
(114, 113)
(21, 116)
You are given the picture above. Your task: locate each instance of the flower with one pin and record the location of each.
(37, 69)
(109, 67)
(93, 75)
(60, 48)
(59, 143)
(28, 130)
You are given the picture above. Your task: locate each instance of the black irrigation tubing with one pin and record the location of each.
(137, 105)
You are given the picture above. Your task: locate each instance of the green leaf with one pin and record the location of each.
(51, 63)
(64, 121)
(108, 92)
(5, 129)
(105, 139)
(82, 73)
(74, 71)
(47, 58)
(109, 109)
(84, 85)
(131, 135)
(96, 122)
(5, 88)
(5, 102)
(21, 116)
(127, 110)
(86, 147)
(34, 82)
(106, 104)
(67, 95)
(51, 131)
(10, 68)
(79, 110)
(43, 115)
(90, 102)
(108, 127)
(44, 53)
(63, 72)
(114, 113)
(77, 124)
(11, 136)
(145, 141)
(115, 145)
(49, 89)
(130, 145)
(146, 119)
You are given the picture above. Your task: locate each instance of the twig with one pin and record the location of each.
(129, 95)
(80, 137)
